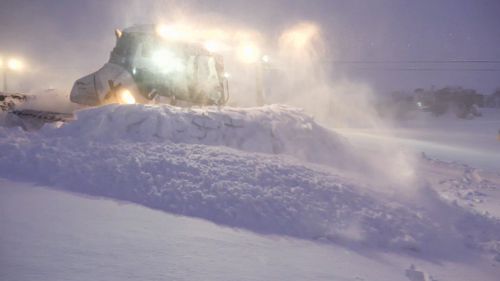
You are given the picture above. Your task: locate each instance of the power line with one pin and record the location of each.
(464, 65)
(412, 61)
(430, 69)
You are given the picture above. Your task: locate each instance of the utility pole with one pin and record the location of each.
(259, 83)
(261, 66)
(4, 72)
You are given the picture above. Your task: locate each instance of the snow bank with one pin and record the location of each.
(274, 129)
(259, 192)
(200, 163)
(254, 191)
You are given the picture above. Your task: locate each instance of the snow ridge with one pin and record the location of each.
(263, 193)
(274, 129)
(136, 154)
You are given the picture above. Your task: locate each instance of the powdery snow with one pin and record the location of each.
(198, 163)
(52, 235)
(473, 142)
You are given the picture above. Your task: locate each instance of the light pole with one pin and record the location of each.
(260, 67)
(10, 64)
(4, 74)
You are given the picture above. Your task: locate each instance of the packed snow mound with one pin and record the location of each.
(200, 163)
(260, 192)
(274, 129)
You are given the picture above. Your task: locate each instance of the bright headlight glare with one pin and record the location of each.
(162, 57)
(167, 61)
(125, 97)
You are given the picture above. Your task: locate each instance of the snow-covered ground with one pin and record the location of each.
(52, 235)
(474, 142)
(271, 171)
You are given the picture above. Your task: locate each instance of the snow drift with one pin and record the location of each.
(274, 129)
(201, 163)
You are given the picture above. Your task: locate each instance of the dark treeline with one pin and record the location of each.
(461, 102)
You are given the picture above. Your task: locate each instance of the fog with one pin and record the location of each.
(62, 41)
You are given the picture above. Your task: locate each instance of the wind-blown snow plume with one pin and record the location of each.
(306, 81)
(304, 62)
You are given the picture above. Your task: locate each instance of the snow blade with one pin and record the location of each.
(45, 116)
(9, 101)
(31, 120)
(28, 119)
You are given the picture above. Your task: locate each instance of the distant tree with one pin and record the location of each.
(493, 100)
(462, 102)
(441, 101)
(418, 91)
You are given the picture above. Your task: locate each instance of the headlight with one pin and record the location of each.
(125, 97)
(167, 61)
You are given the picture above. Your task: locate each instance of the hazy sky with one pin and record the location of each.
(66, 39)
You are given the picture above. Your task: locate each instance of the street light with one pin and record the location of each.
(249, 53)
(10, 64)
(15, 64)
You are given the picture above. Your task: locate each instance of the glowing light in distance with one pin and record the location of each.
(226, 75)
(300, 36)
(266, 59)
(249, 53)
(15, 64)
(125, 97)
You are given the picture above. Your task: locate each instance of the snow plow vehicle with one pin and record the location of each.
(148, 66)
